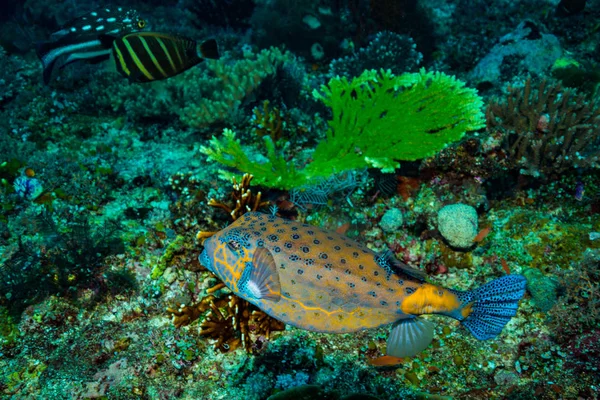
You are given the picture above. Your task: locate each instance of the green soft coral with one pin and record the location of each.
(276, 172)
(378, 118)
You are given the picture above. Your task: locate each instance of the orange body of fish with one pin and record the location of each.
(323, 281)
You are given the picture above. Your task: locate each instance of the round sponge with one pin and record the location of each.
(458, 224)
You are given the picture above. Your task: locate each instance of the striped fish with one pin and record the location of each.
(151, 56)
(79, 39)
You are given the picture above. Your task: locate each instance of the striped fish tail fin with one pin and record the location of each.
(209, 49)
(492, 305)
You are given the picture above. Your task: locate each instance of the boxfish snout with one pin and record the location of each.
(206, 257)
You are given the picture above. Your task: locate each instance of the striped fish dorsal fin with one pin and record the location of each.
(181, 41)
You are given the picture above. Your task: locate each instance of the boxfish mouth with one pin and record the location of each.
(206, 260)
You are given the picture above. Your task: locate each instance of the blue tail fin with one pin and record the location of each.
(493, 305)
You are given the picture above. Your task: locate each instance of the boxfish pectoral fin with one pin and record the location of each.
(409, 337)
(260, 279)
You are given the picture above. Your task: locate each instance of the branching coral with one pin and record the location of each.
(234, 81)
(243, 201)
(202, 96)
(388, 50)
(547, 130)
(229, 320)
(378, 118)
(268, 120)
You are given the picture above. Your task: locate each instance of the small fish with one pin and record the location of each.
(579, 191)
(322, 281)
(151, 56)
(79, 39)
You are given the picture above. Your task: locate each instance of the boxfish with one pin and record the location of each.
(322, 281)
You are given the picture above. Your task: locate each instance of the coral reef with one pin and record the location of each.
(57, 265)
(106, 194)
(388, 51)
(526, 49)
(362, 109)
(546, 130)
(217, 93)
(11, 81)
(228, 319)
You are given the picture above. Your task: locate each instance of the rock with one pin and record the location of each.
(304, 392)
(506, 378)
(391, 221)
(525, 49)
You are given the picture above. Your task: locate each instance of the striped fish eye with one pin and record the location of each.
(141, 23)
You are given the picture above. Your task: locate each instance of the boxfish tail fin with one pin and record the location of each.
(491, 306)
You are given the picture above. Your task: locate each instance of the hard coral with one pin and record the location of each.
(269, 121)
(230, 319)
(388, 51)
(200, 97)
(547, 130)
(244, 200)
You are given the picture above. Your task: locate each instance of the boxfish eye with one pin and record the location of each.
(141, 24)
(233, 245)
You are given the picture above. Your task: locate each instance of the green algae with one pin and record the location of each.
(456, 259)
(26, 376)
(176, 246)
(9, 332)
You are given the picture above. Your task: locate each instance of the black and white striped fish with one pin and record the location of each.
(79, 39)
(151, 56)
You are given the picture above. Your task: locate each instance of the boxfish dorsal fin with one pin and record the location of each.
(409, 337)
(387, 260)
(260, 279)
